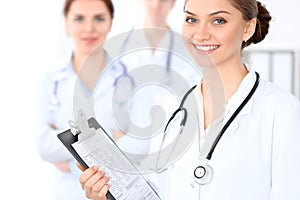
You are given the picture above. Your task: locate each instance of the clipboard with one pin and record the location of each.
(84, 129)
(67, 138)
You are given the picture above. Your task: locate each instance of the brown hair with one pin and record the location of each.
(254, 9)
(108, 3)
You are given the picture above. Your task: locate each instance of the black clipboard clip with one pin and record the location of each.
(80, 127)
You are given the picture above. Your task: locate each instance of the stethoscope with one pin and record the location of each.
(125, 82)
(54, 102)
(203, 173)
(125, 75)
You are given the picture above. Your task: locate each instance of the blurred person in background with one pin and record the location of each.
(153, 42)
(87, 23)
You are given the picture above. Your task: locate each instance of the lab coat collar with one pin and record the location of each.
(65, 68)
(234, 102)
(240, 95)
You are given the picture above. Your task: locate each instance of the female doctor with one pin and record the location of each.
(256, 155)
(87, 24)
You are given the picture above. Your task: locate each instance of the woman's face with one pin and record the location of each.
(157, 10)
(87, 23)
(215, 30)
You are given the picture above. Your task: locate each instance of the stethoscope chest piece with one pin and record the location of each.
(54, 103)
(203, 173)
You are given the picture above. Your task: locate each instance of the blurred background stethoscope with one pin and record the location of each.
(125, 75)
(203, 172)
(125, 84)
(54, 102)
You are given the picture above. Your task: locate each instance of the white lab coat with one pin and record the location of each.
(258, 156)
(71, 97)
(66, 185)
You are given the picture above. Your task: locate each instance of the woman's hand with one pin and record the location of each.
(63, 166)
(94, 183)
(117, 134)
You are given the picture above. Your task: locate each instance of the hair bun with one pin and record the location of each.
(263, 23)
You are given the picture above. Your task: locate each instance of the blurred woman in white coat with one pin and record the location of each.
(87, 24)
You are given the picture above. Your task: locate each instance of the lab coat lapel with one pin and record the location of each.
(235, 123)
(236, 100)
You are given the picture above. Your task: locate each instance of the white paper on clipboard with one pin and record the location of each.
(126, 182)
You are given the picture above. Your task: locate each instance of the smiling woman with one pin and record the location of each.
(249, 148)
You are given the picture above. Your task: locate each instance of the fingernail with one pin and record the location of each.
(96, 168)
(102, 173)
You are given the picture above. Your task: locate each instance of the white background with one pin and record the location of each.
(32, 40)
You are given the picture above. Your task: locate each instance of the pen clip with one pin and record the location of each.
(81, 127)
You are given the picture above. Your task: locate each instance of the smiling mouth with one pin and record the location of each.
(207, 49)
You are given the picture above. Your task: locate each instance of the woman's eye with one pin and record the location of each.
(78, 19)
(190, 20)
(219, 21)
(99, 19)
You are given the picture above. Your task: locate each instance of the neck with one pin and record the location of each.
(226, 78)
(219, 85)
(155, 24)
(89, 66)
(155, 36)
(78, 60)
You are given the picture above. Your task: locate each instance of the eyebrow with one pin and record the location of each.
(94, 14)
(188, 12)
(213, 13)
(219, 11)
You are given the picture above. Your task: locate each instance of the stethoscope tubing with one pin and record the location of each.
(219, 136)
(125, 71)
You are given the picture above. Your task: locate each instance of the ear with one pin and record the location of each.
(249, 29)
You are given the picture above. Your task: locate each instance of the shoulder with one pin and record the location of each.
(63, 69)
(274, 97)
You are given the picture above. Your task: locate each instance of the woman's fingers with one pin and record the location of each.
(79, 166)
(94, 183)
(101, 195)
(87, 174)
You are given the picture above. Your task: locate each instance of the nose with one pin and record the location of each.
(89, 26)
(202, 33)
(154, 3)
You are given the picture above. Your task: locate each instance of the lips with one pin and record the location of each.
(90, 39)
(205, 49)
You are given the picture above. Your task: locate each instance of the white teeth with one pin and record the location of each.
(206, 48)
